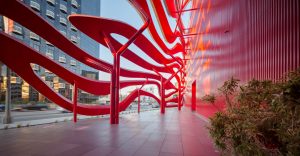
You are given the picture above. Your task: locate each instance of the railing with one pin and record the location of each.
(50, 14)
(35, 5)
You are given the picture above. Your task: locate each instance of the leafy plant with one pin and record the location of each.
(263, 119)
(228, 89)
(210, 98)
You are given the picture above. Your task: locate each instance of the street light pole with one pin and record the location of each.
(7, 115)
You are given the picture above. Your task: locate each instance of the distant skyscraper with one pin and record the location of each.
(89, 7)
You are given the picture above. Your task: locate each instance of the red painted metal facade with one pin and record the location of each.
(241, 38)
(19, 57)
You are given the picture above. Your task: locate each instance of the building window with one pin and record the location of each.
(74, 39)
(91, 76)
(35, 6)
(17, 29)
(73, 28)
(35, 67)
(15, 80)
(49, 54)
(61, 85)
(56, 79)
(74, 3)
(48, 43)
(49, 83)
(35, 45)
(20, 37)
(50, 51)
(73, 63)
(62, 59)
(48, 71)
(50, 14)
(34, 36)
(51, 2)
(63, 21)
(63, 8)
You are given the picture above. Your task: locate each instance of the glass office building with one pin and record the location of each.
(56, 13)
(90, 7)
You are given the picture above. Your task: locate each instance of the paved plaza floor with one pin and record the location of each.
(147, 134)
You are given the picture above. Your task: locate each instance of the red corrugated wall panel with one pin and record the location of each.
(241, 38)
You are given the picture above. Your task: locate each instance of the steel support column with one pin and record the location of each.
(179, 95)
(117, 87)
(193, 105)
(139, 102)
(114, 92)
(162, 94)
(115, 73)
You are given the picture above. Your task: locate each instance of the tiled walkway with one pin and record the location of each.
(147, 134)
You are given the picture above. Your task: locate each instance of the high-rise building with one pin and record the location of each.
(56, 13)
(90, 7)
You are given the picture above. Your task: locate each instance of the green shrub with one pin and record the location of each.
(263, 119)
